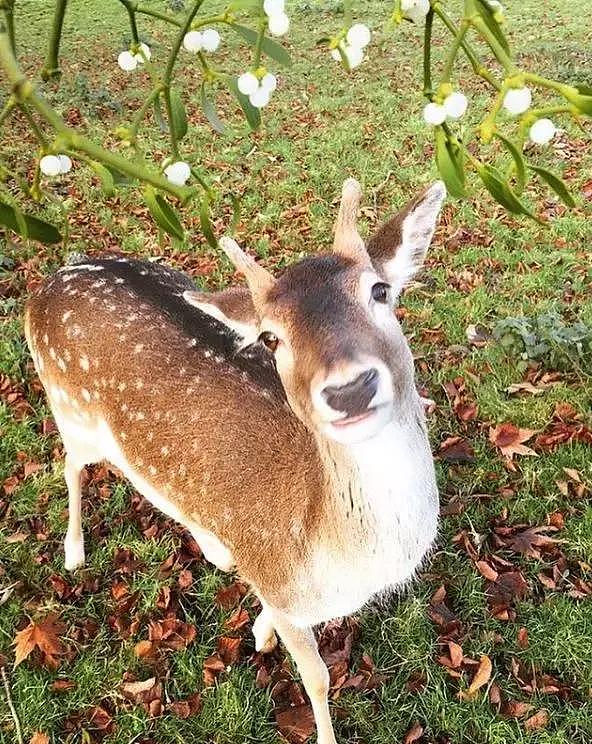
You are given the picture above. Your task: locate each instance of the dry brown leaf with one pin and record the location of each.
(297, 724)
(509, 439)
(486, 570)
(482, 677)
(135, 688)
(42, 635)
(39, 738)
(414, 733)
(456, 654)
(538, 721)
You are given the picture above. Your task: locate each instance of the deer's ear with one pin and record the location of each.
(398, 249)
(233, 307)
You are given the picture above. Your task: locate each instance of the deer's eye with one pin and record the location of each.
(380, 292)
(270, 340)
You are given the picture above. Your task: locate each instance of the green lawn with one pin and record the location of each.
(484, 266)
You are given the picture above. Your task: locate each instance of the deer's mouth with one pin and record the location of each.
(352, 420)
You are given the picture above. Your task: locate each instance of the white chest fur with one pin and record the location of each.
(388, 525)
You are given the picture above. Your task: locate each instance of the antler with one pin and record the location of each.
(347, 239)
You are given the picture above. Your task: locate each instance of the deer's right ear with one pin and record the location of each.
(233, 307)
(398, 249)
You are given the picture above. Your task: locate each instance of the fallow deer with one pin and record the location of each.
(301, 460)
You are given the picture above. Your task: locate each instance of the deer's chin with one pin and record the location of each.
(355, 429)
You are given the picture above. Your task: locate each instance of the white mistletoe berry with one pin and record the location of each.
(143, 54)
(248, 83)
(210, 39)
(65, 163)
(50, 165)
(455, 105)
(269, 82)
(434, 114)
(279, 24)
(517, 100)
(542, 131)
(260, 97)
(192, 41)
(127, 61)
(273, 7)
(359, 35)
(355, 56)
(178, 172)
(415, 10)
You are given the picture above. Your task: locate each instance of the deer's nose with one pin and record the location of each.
(354, 397)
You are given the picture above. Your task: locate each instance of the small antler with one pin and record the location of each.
(259, 279)
(347, 239)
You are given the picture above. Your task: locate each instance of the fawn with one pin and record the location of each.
(279, 423)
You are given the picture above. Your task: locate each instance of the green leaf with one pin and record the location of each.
(205, 222)
(485, 11)
(178, 115)
(449, 164)
(118, 177)
(518, 161)
(28, 226)
(163, 214)
(499, 188)
(556, 184)
(585, 90)
(105, 176)
(209, 111)
(269, 46)
(252, 114)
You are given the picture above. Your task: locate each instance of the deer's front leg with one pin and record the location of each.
(302, 645)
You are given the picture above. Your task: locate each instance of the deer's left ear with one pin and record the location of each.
(398, 249)
(233, 307)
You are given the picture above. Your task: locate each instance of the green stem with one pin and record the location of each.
(471, 55)
(141, 113)
(347, 6)
(487, 128)
(33, 124)
(259, 43)
(8, 7)
(168, 73)
(427, 55)
(531, 77)
(462, 32)
(157, 14)
(131, 11)
(8, 108)
(51, 68)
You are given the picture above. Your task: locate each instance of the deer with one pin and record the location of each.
(279, 422)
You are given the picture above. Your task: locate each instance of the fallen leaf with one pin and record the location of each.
(538, 721)
(135, 688)
(509, 439)
(229, 650)
(297, 724)
(456, 654)
(482, 677)
(44, 636)
(39, 738)
(523, 638)
(531, 541)
(414, 733)
(456, 450)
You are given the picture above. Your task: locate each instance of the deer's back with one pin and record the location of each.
(160, 386)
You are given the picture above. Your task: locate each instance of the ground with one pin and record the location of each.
(147, 607)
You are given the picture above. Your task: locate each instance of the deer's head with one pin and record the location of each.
(328, 320)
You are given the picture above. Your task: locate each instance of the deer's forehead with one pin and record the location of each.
(318, 287)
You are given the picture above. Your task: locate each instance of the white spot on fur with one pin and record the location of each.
(85, 395)
(66, 315)
(121, 387)
(84, 363)
(164, 451)
(52, 353)
(138, 348)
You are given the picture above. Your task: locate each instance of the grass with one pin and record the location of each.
(321, 127)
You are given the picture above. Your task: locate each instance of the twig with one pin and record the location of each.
(15, 718)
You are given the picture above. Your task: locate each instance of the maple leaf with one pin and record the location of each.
(42, 635)
(509, 439)
(529, 542)
(229, 649)
(456, 450)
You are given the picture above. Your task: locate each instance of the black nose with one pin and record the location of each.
(354, 397)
